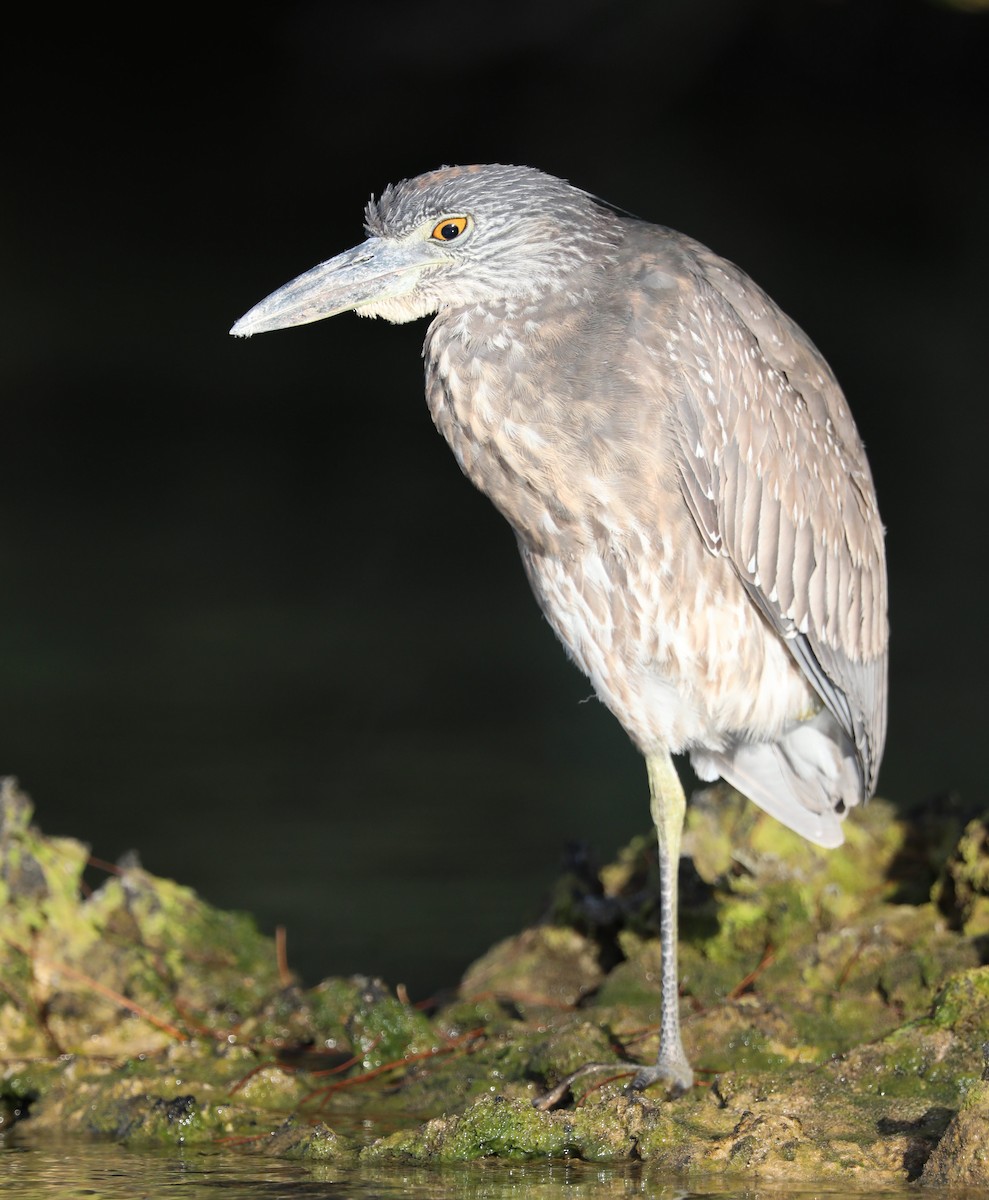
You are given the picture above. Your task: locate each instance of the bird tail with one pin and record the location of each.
(807, 779)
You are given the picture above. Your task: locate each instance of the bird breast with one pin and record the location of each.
(550, 415)
(545, 416)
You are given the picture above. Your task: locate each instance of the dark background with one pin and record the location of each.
(252, 620)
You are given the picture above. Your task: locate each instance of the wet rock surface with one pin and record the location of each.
(836, 1009)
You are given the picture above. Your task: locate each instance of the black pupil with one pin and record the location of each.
(449, 231)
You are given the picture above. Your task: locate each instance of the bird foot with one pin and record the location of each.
(674, 1072)
(677, 1076)
(555, 1094)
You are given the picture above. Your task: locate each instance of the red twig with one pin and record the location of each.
(281, 956)
(103, 990)
(452, 1044)
(743, 985)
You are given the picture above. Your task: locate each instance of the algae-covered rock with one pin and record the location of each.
(834, 1008)
(129, 968)
(961, 1157)
(962, 891)
(141, 1012)
(545, 965)
(498, 1126)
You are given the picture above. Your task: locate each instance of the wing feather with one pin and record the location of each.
(747, 523)
(782, 487)
(785, 548)
(769, 543)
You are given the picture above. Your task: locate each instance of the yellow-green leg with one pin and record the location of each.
(668, 805)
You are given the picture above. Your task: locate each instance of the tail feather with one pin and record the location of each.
(807, 779)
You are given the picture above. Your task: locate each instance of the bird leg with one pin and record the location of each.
(668, 805)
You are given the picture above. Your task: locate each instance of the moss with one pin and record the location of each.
(963, 1004)
(316, 1143)
(962, 889)
(494, 1126)
(836, 1031)
(546, 965)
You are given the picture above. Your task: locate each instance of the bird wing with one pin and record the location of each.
(776, 478)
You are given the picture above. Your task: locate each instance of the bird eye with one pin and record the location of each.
(449, 228)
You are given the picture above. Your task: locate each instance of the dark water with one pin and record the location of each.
(111, 1172)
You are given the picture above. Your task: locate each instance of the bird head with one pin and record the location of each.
(457, 236)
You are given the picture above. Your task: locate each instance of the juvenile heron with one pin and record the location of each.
(691, 498)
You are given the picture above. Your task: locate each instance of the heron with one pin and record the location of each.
(690, 495)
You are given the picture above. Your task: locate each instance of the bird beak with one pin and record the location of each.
(374, 271)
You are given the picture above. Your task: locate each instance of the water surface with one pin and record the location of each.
(107, 1171)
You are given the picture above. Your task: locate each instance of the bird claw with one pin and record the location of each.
(555, 1094)
(677, 1076)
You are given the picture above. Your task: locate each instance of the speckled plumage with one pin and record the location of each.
(690, 495)
(693, 506)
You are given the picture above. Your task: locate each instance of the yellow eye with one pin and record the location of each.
(449, 228)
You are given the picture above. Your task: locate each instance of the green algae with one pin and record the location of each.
(362, 1013)
(962, 891)
(835, 1011)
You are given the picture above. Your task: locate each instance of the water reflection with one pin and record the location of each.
(114, 1172)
